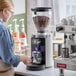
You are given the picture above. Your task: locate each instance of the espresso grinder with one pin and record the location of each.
(41, 46)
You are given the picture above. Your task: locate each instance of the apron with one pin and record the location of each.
(6, 70)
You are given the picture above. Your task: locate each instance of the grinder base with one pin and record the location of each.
(34, 67)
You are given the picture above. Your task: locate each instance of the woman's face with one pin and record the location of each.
(7, 13)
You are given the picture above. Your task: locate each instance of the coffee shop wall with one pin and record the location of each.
(19, 14)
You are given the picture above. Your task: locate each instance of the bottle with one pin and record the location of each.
(17, 48)
(23, 38)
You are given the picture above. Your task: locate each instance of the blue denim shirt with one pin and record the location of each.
(6, 47)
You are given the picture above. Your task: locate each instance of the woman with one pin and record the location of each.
(7, 57)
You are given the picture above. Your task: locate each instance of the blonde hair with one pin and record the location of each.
(6, 4)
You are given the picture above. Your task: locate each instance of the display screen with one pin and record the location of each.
(38, 50)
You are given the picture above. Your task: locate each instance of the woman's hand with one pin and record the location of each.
(25, 59)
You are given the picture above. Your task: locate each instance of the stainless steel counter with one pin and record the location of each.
(21, 69)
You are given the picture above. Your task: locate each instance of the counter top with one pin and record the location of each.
(21, 68)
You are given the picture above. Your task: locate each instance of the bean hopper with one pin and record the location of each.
(41, 53)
